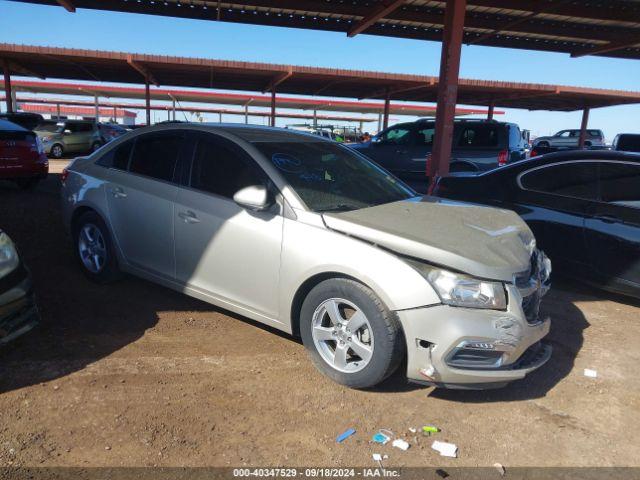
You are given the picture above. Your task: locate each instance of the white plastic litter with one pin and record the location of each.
(401, 444)
(445, 449)
(499, 468)
(377, 457)
(590, 373)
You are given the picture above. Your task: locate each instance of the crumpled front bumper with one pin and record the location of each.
(473, 348)
(18, 310)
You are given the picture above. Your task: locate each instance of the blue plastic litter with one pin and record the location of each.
(343, 436)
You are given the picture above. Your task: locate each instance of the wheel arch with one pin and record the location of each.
(308, 285)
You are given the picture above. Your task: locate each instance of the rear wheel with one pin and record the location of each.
(94, 249)
(351, 336)
(57, 151)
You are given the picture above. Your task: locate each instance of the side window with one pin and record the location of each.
(577, 179)
(156, 155)
(479, 136)
(425, 136)
(396, 136)
(563, 134)
(222, 169)
(118, 157)
(515, 136)
(620, 184)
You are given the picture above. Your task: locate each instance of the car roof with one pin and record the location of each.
(248, 133)
(566, 156)
(6, 125)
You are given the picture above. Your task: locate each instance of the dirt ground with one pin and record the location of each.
(135, 374)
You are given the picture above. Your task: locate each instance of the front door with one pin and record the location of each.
(223, 249)
(613, 226)
(141, 202)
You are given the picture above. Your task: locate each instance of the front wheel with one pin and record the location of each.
(57, 151)
(351, 336)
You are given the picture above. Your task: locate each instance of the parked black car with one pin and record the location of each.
(18, 311)
(478, 145)
(626, 142)
(24, 119)
(583, 207)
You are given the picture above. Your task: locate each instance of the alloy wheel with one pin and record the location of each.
(342, 335)
(92, 248)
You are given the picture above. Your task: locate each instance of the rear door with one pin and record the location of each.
(613, 226)
(554, 200)
(141, 198)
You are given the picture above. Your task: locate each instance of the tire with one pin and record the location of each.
(543, 144)
(57, 151)
(27, 183)
(587, 143)
(91, 238)
(381, 336)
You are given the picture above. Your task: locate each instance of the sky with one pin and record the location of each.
(54, 26)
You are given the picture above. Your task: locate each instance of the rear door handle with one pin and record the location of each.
(117, 192)
(189, 217)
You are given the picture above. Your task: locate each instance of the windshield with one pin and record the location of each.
(49, 127)
(330, 177)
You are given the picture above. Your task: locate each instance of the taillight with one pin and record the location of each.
(503, 157)
(533, 153)
(64, 175)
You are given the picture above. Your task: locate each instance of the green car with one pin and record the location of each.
(69, 137)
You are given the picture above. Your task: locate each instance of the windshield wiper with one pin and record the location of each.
(342, 207)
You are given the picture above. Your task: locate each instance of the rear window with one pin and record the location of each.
(629, 143)
(49, 127)
(479, 136)
(17, 135)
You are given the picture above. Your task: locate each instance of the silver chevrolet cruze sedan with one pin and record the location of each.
(310, 237)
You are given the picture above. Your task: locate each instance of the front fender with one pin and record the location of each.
(310, 250)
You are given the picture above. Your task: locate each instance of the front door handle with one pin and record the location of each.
(189, 217)
(118, 193)
(607, 218)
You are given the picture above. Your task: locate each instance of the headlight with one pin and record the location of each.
(45, 139)
(461, 290)
(8, 255)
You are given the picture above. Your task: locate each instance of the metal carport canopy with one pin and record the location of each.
(106, 66)
(577, 27)
(225, 98)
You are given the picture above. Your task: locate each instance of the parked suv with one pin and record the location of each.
(478, 145)
(570, 138)
(69, 136)
(310, 237)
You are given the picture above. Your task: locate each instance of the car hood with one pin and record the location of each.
(481, 241)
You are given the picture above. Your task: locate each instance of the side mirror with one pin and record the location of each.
(255, 197)
(376, 140)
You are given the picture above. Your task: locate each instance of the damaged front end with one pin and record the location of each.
(459, 347)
